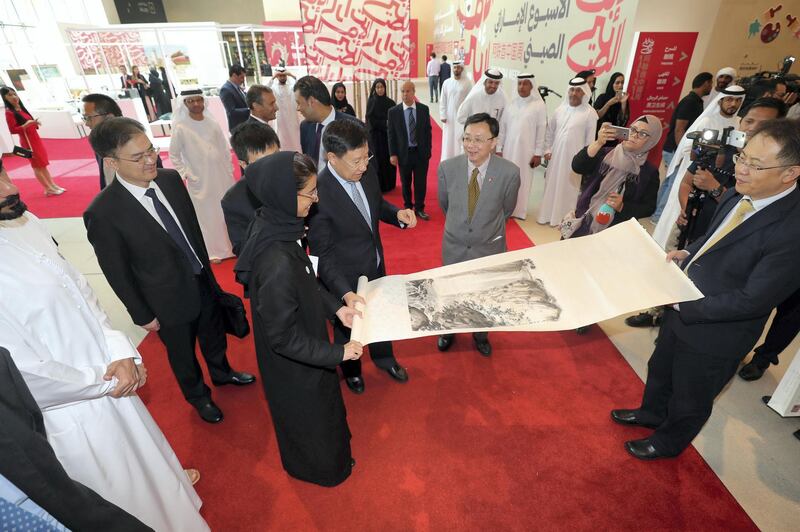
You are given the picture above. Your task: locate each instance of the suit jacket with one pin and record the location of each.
(398, 134)
(743, 277)
(308, 133)
(30, 464)
(235, 104)
(239, 207)
(485, 234)
(340, 236)
(144, 266)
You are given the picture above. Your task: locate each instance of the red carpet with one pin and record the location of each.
(519, 441)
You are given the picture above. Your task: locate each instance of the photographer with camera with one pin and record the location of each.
(712, 171)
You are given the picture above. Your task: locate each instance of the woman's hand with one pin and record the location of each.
(614, 201)
(29, 123)
(352, 351)
(346, 315)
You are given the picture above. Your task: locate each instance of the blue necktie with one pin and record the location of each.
(174, 231)
(12, 517)
(360, 203)
(412, 128)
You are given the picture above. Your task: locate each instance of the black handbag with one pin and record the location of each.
(234, 315)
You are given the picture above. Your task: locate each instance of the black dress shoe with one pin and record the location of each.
(582, 330)
(484, 347)
(239, 378)
(444, 342)
(356, 384)
(209, 412)
(423, 215)
(643, 450)
(752, 371)
(352, 463)
(629, 417)
(643, 319)
(398, 373)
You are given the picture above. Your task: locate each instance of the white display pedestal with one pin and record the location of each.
(786, 398)
(57, 124)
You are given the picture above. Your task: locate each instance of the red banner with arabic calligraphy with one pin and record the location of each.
(356, 39)
(657, 75)
(95, 50)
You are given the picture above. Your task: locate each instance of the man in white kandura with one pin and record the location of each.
(288, 121)
(724, 77)
(721, 113)
(522, 131)
(486, 96)
(200, 152)
(84, 375)
(454, 91)
(570, 129)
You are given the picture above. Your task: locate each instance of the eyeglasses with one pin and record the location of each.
(639, 133)
(86, 118)
(150, 153)
(742, 161)
(313, 196)
(361, 163)
(476, 141)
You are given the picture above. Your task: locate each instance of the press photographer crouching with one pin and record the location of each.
(712, 170)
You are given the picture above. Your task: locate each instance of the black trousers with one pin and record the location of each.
(414, 171)
(381, 353)
(209, 330)
(785, 326)
(682, 383)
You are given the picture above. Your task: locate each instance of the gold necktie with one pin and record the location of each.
(473, 193)
(745, 207)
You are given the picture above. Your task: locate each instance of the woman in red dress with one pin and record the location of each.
(20, 122)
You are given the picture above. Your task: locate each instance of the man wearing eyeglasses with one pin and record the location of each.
(477, 193)
(148, 242)
(745, 265)
(96, 109)
(344, 233)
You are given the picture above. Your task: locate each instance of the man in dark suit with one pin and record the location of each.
(262, 104)
(444, 72)
(745, 264)
(30, 464)
(233, 97)
(250, 141)
(410, 146)
(149, 245)
(314, 103)
(344, 233)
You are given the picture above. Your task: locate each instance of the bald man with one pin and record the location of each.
(410, 147)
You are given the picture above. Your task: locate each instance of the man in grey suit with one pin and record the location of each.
(477, 193)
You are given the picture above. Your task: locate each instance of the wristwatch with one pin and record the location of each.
(717, 192)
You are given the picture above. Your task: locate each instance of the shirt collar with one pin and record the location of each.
(331, 117)
(257, 118)
(342, 181)
(764, 202)
(482, 168)
(138, 192)
(414, 106)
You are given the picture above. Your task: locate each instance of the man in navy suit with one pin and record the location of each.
(410, 146)
(745, 264)
(314, 103)
(344, 233)
(234, 98)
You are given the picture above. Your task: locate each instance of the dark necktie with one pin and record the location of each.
(174, 231)
(359, 203)
(317, 144)
(473, 193)
(412, 127)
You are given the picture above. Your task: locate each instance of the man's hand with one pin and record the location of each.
(353, 351)
(127, 377)
(614, 201)
(547, 156)
(704, 180)
(677, 256)
(393, 159)
(351, 298)
(407, 217)
(535, 161)
(346, 315)
(152, 326)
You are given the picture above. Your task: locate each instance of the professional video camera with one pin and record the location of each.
(707, 145)
(792, 81)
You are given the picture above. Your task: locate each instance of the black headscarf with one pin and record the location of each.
(378, 106)
(271, 180)
(343, 106)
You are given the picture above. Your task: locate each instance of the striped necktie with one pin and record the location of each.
(743, 209)
(356, 195)
(473, 192)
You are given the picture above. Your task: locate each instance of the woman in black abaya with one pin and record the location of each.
(295, 357)
(378, 106)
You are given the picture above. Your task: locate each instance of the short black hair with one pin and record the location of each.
(701, 79)
(309, 86)
(444, 58)
(433, 54)
(769, 103)
(494, 125)
(787, 134)
(250, 138)
(103, 104)
(236, 69)
(343, 135)
(303, 168)
(255, 93)
(114, 133)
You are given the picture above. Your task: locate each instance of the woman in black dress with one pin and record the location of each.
(339, 99)
(160, 99)
(377, 116)
(612, 105)
(295, 357)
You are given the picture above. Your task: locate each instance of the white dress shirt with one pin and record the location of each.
(321, 160)
(481, 171)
